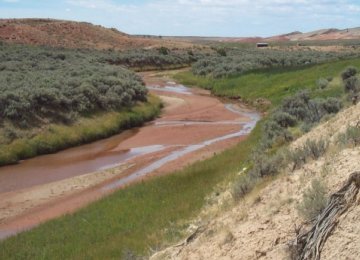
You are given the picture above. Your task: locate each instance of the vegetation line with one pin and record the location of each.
(160, 68)
(267, 88)
(55, 137)
(132, 219)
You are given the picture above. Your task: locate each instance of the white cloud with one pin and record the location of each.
(205, 17)
(105, 5)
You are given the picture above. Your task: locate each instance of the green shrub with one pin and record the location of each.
(41, 84)
(350, 137)
(348, 72)
(273, 132)
(352, 84)
(303, 108)
(163, 50)
(297, 105)
(322, 83)
(315, 149)
(305, 127)
(313, 201)
(310, 150)
(329, 79)
(152, 59)
(330, 106)
(234, 61)
(284, 119)
(56, 137)
(221, 52)
(265, 165)
(298, 157)
(242, 186)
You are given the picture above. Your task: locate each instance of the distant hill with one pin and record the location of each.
(325, 34)
(69, 34)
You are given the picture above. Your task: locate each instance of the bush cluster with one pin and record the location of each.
(39, 84)
(322, 83)
(348, 72)
(234, 61)
(351, 83)
(264, 165)
(303, 108)
(350, 137)
(296, 109)
(300, 108)
(158, 58)
(314, 200)
(242, 186)
(312, 149)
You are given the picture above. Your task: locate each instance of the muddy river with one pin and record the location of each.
(193, 126)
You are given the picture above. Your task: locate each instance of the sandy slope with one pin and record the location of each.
(260, 226)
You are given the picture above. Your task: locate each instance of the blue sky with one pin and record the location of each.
(195, 17)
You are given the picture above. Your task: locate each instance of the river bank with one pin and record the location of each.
(193, 127)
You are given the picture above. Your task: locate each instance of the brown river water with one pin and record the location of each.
(193, 124)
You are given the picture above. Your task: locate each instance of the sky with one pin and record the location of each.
(195, 17)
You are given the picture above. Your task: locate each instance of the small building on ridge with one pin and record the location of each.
(262, 45)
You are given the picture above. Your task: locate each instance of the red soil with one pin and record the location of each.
(199, 107)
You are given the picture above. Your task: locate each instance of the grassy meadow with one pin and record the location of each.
(133, 219)
(274, 84)
(143, 216)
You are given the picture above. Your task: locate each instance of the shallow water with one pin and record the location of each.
(102, 155)
(247, 127)
(179, 89)
(165, 135)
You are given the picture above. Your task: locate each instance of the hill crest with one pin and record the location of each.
(70, 34)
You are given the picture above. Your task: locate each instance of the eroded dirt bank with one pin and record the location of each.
(262, 225)
(193, 126)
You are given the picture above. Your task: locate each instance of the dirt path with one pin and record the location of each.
(192, 127)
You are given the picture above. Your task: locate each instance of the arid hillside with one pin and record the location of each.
(265, 223)
(70, 34)
(326, 34)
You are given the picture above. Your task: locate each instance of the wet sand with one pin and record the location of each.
(192, 127)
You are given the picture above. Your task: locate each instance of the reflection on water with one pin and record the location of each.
(65, 164)
(132, 153)
(245, 130)
(103, 154)
(186, 123)
(180, 89)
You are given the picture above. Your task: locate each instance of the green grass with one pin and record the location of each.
(56, 137)
(138, 216)
(274, 84)
(131, 219)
